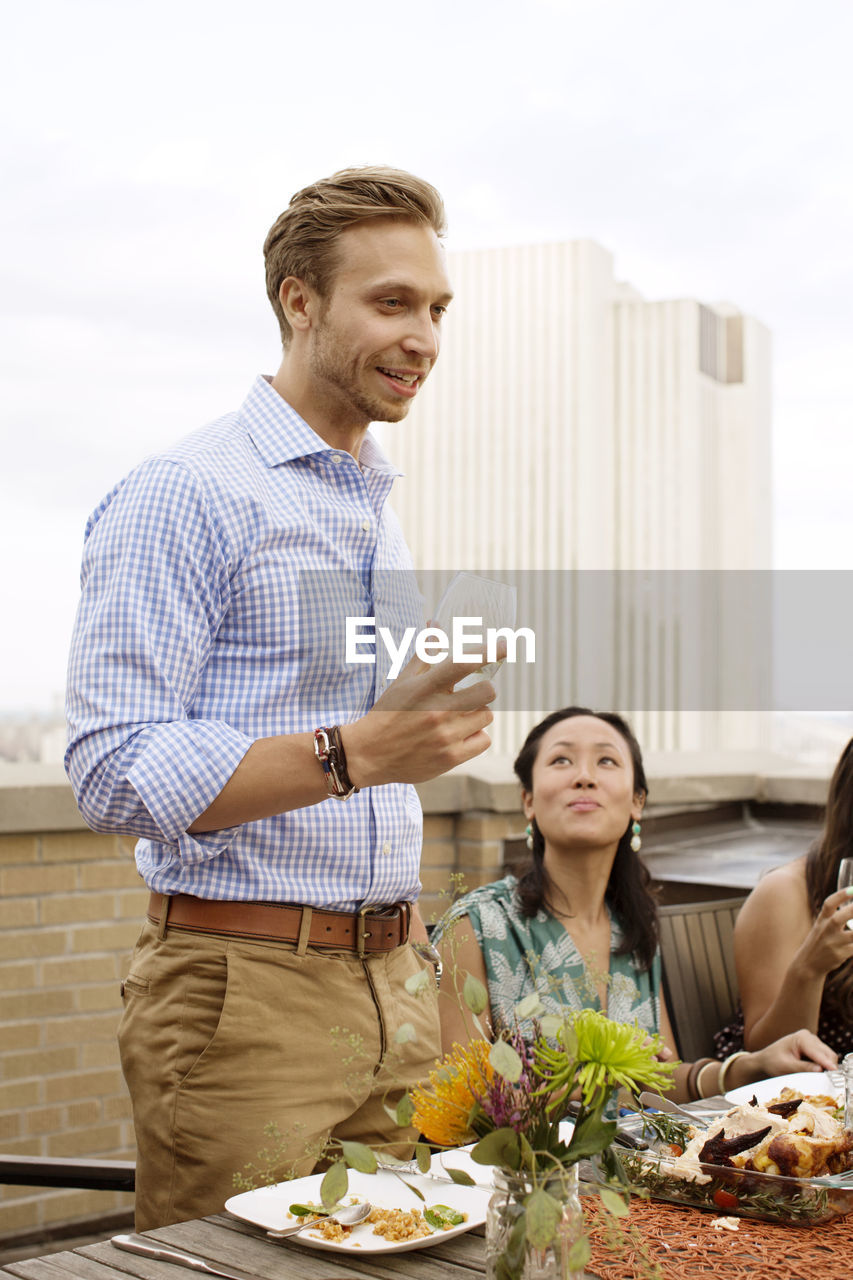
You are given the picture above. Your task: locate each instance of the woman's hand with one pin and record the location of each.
(829, 942)
(799, 1051)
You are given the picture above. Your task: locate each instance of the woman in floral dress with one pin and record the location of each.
(579, 928)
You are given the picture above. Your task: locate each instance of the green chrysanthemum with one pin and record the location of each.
(599, 1055)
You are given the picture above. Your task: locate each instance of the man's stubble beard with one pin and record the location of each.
(330, 370)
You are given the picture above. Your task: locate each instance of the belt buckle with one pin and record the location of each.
(361, 930)
(377, 909)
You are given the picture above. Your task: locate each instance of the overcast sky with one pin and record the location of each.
(149, 147)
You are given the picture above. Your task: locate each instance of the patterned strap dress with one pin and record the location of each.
(537, 954)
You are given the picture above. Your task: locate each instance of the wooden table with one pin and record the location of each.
(227, 1241)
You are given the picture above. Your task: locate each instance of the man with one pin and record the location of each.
(213, 716)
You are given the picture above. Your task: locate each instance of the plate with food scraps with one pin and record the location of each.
(400, 1212)
(809, 1083)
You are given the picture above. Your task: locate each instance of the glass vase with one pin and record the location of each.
(506, 1257)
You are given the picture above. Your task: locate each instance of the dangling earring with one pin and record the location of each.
(636, 842)
(529, 833)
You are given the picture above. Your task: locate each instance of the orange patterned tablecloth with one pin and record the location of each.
(676, 1243)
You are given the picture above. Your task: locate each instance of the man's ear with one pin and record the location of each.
(298, 302)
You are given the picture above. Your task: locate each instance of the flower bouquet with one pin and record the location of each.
(509, 1098)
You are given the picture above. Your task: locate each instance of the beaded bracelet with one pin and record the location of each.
(741, 1053)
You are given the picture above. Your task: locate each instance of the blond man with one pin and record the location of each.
(268, 780)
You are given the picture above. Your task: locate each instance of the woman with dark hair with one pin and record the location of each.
(579, 929)
(793, 949)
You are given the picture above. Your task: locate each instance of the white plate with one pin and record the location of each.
(268, 1207)
(764, 1090)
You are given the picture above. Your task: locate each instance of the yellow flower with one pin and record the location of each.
(443, 1107)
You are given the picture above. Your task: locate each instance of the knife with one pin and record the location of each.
(136, 1244)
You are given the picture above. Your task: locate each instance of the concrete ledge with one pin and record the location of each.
(37, 797)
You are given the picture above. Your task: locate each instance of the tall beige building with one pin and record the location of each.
(574, 426)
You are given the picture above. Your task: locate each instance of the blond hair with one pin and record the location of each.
(302, 241)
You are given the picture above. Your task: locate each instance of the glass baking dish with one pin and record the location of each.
(739, 1193)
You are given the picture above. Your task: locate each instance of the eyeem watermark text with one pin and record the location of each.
(467, 640)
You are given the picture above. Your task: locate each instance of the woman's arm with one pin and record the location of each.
(783, 956)
(678, 1092)
(460, 955)
(799, 1051)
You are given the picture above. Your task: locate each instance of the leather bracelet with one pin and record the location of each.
(329, 750)
(693, 1077)
(741, 1053)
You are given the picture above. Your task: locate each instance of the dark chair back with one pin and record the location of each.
(699, 978)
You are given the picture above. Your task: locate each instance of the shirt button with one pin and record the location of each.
(365, 524)
(386, 848)
(336, 457)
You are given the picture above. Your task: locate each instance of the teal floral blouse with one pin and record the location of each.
(525, 955)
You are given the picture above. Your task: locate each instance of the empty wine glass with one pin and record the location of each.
(845, 879)
(470, 596)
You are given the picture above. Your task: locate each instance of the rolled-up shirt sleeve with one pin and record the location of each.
(156, 583)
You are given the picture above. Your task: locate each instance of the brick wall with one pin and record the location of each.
(70, 907)
(462, 851)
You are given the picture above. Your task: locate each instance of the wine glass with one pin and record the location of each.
(470, 596)
(845, 879)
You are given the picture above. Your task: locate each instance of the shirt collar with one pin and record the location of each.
(281, 435)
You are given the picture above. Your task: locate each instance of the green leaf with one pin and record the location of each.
(334, 1185)
(460, 1177)
(613, 1203)
(498, 1147)
(530, 1007)
(424, 1157)
(579, 1254)
(591, 1135)
(528, 1155)
(419, 981)
(550, 1025)
(441, 1216)
(404, 1112)
(505, 1061)
(305, 1210)
(474, 994)
(414, 1190)
(543, 1217)
(358, 1156)
(568, 1038)
(405, 1033)
(514, 1252)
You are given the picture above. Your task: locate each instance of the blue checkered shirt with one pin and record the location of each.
(216, 579)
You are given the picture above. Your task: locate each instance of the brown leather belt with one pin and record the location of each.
(370, 929)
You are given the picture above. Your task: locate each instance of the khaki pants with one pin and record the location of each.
(222, 1037)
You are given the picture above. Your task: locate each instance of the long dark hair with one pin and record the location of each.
(629, 894)
(834, 843)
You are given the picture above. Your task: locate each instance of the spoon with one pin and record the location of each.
(348, 1216)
